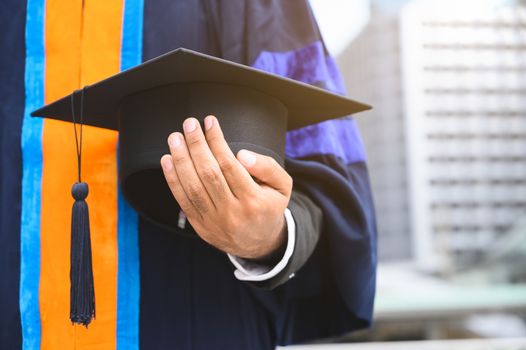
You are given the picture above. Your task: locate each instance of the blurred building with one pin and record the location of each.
(446, 141)
(372, 70)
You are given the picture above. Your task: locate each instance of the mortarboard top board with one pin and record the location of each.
(148, 102)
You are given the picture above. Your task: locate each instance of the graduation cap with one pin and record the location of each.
(148, 102)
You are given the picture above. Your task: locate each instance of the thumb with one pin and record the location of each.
(266, 170)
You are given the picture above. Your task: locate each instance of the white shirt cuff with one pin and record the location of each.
(250, 271)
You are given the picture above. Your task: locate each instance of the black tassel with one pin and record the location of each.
(82, 288)
(82, 297)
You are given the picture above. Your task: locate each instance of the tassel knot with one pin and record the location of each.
(79, 191)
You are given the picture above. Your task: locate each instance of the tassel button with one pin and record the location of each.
(80, 191)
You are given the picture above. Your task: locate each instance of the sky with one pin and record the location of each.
(340, 21)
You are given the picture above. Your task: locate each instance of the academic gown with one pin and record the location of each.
(171, 291)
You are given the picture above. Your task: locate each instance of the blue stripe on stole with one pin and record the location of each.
(128, 278)
(31, 143)
(310, 64)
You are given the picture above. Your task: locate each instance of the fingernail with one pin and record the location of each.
(166, 162)
(246, 157)
(209, 121)
(174, 140)
(189, 125)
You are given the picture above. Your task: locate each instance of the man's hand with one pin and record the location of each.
(216, 191)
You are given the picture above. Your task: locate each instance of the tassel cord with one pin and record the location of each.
(78, 138)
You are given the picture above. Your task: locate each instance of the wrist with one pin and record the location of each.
(277, 249)
(251, 270)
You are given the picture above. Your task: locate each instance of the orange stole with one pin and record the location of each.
(82, 46)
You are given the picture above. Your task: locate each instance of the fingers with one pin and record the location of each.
(266, 170)
(236, 175)
(187, 175)
(175, 186)
(205, 163)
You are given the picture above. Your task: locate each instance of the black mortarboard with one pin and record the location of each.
(148, 102)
